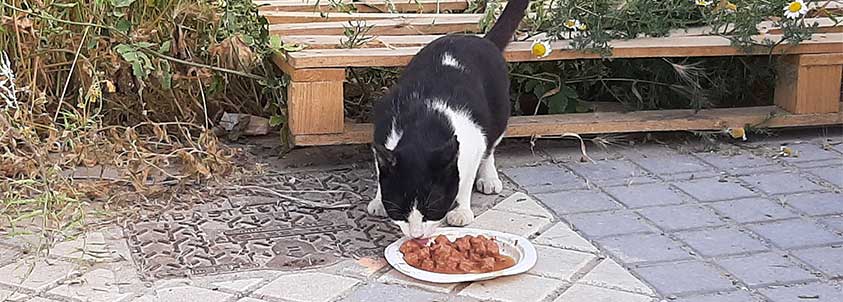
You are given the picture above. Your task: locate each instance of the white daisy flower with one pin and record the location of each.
(703, 3)
(540, 49)
(795, 9)
(572, 24)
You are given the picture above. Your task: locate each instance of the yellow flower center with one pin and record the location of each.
(539, 49)
(570, 23)
(731, 6)
(794, 7)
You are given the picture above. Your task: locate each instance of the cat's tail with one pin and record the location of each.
(504, 28)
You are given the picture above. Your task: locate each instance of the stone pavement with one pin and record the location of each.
(648, 223)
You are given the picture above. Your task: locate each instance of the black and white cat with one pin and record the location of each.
(437, 129)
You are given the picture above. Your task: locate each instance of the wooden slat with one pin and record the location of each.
(612, 122)
(278, 17)
(366, 6)
(415, 26)
(704, 46)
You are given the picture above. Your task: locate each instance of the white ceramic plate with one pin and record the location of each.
(517, 247)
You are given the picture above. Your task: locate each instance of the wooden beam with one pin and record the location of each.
(365, 6)
(614, 122)
(703, 46)
(278, 17)
(809, 83)
(315, 107)
(414, 26)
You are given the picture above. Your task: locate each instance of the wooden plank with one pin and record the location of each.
(612, 122)
(413, 26)
(822, 59)
(808, 88)
(277, 17)
(704, 46)
(315, 107)
(365, 6)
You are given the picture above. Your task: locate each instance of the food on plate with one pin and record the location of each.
(467, 254)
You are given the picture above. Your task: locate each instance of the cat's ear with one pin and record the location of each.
(446, 154)
(384, 157)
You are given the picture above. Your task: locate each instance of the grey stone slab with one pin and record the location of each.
(385, 292)
(545, 178)
(811, 152)
(664, 161)
(186, 294)
(610, 274)
(638, 248)
(832, 175)
(814, 292)
(562, 236)
(559, 263)
(523, 204)
(684, 278)
(736, 296)
(712, 189)
(743, 159)
(517, 288)
(310, 287)
(11, 295)
(828, 260)
(752, 210)
(8, 254)
(517, 154)
(835, 223)
(36, 275)
(507, 222)
(582, 292)
(612, 172)
(816, 204)
(795, 233)
(637, 196)
(681, 217)
(570, 202)
(765, 269)
(781, 183)
(99, 285)
(399, 278)
(721, 241)
(608, 223)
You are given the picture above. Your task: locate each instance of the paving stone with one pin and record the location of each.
(734, 161)
(721, 241)
(396, 277)
(680, 278)
(570, 202)
(608, 223)
(384, 292)
(663, 161)
(515, 154)
(522, 204)
(363, 267)
(737, 296)
(559, 263)
(681, 217)
(814, 292)
(517, 288)
(582, 292)
(562, 236)
(765, 269)
(711, 189)
(97, 285)
(752, 210)
(817, 204)
(825, 259)
(811, 152)
(638, 248)
(43, 274)
(835, 223)
(8, 254)
(832, 175)
(9, 295)
(39, 299)
(248, 299)
(610, 274)
(510, 222)
(781, 183)
(545, 178)
(90, 247)
(310, 287)
(646, 195)
(795, 233)
(186, 294)
(612, 172)
(238, 285)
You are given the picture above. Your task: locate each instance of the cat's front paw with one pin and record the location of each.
(376, 208)
(460, 217)
(489, 184)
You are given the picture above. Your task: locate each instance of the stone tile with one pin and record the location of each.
(570, 202)
(238, 285)
(517, 288)
(832, 175)
(185, 294)
(811, 152)
(610, 274)
(582, 292)
(825, 259)
(681, 278)
(43, 274)
(39, 299)
(737, 296)
(311, 287)
(646, 195)
(612, 172)
(96, 285)
(10, 295)
(743, 159)
(569, 151)
(711, 189)
(396, 277)
(8, 254)
(510, 223)
(795, 233)
(781, 183)
(638, 248)
(681, 217)
(559, 263)
(835, 223)
(248, 299)
(664, 161)
(765, 269)
(384, 292)
(545, 178)
(562, 236)
(817, 204)
(522, 204)
(517, 154)
(363, 267)
(814, 292)
(608, 223)
(752, 210)
(722, 241)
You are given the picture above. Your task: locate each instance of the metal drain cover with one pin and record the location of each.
(255, 228)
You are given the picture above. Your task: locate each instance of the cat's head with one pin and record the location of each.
(418, 185)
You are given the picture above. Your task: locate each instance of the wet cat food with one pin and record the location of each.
(467, 254)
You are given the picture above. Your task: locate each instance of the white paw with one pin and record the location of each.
(490, 184)
(375, 208)
(460, 217)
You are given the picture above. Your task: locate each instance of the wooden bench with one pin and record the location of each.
(807, 93)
